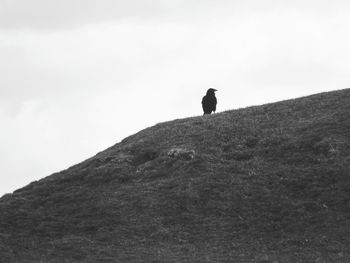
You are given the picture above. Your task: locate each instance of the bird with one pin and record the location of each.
(209, 101)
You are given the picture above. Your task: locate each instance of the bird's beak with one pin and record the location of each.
(215, 89)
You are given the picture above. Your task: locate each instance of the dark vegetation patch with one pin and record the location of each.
(261, 184)
(145, 156)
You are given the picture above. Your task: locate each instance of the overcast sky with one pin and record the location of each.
(77, 76)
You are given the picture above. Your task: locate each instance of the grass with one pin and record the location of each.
(262, 184)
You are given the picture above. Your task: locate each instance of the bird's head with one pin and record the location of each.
(211, 91)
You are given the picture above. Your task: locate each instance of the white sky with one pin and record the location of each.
(77, 76)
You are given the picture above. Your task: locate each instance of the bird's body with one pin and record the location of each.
(209, 102)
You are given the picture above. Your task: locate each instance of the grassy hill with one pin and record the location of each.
(262, 184)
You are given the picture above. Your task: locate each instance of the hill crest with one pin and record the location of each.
(266, 183)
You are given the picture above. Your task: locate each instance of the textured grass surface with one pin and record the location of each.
(262, 184)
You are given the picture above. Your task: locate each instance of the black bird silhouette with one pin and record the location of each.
(209, 102)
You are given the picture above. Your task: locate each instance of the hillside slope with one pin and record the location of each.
(262, 184)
